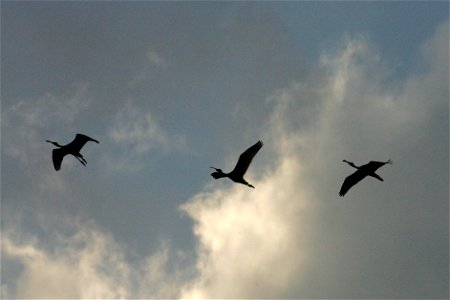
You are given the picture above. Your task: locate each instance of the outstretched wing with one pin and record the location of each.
(372, 166)
(246, 158)
(79, 141)
(351, 181)
(57, 157)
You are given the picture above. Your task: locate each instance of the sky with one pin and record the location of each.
(172, 88)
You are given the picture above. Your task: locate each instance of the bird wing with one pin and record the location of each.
(57, 157)
(246, 158)
(79, 141)
(372, 166)
(351, 181)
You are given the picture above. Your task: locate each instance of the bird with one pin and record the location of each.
(73, 148)
(237, 175)
(363, 171)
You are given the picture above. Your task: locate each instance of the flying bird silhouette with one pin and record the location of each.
(363, 171)
(73, 148)
(237, 175)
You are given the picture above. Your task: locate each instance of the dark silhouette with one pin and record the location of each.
(73, 148)
(363, 171)
(237, 175)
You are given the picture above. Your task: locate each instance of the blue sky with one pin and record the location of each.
(170, 89)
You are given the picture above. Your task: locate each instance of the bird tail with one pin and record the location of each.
(390, 161)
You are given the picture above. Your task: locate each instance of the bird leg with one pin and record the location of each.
(81, 160)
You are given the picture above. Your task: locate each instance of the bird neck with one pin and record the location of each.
(221, 172)
(54, 143)
(351, 164)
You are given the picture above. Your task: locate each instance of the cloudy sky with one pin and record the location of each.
(170, 89)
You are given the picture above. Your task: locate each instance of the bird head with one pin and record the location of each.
(218, 174)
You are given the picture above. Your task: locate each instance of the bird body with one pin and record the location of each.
(72, 148)
(237, 174)
(362, 171)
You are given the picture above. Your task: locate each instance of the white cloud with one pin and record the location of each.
(249, 244)
(138, 129)
(156, 59)
(64, 108)
(274, 242)
(89, 264)
(137, 132)
(86, 265)
(152, 60)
